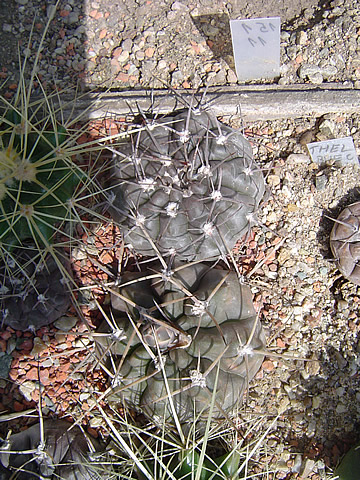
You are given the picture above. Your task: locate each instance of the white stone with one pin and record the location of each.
(27, 388)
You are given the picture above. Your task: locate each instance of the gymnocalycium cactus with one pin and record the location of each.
(62, 452)
(178, 335)
(34, 291)
(185, 184)
(345, 242)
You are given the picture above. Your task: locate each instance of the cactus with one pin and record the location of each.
(345, 242)
(349, 467)
(180, 335)
(34, 291)
(161, 452)
(37, 180)
(57, 452)
(185, 184)
(45, 193)
(37, 183)
(187, 464)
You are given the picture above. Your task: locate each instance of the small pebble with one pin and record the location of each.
(273, 180)
(27, 388)
(327, 128)
(65, 323)
(307, 137)
(38, 346)
(96, 422)
(126, 45)
(301, 38)
(231, 76)
(321, 182)
(307, 468)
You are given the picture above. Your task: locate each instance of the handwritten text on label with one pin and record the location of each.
(262, 59)
(340, 151)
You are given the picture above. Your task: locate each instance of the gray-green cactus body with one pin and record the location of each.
(65, 454)
(182, 337)
(187, 182)
(34, 290)
(345, 242)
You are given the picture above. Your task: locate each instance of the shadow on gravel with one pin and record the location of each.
(8, 42)
(216, 31)
(330, 408)
(61, 61)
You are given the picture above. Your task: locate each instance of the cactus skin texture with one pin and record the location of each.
(187, 184)
(34, 292)
(345, 242)
(187, 465)
(36, 182)
(349, 467)
(203, 323)
(64, 454)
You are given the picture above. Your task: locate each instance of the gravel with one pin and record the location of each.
(145, 43)
(310, 311)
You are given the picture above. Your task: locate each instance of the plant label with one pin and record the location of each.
(340, 151)
(256, 47)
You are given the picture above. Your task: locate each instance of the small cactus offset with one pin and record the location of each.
(180, 336)
(185, 184)
(345, 242)
(35, 289)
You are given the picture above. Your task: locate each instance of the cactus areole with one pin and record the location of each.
(185, 184)
(184, 339)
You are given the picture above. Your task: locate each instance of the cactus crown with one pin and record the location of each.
(186, 185)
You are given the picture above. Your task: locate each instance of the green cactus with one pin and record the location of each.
(45, 193)
(179, 335)
(37, 180)
(187, 465)
(349, 467)
(185, 184)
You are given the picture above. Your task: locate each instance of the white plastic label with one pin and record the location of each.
(256, 46)
(340, 151)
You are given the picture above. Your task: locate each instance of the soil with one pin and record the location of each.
(308, 388)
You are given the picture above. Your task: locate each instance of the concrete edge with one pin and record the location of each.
(258, 102)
